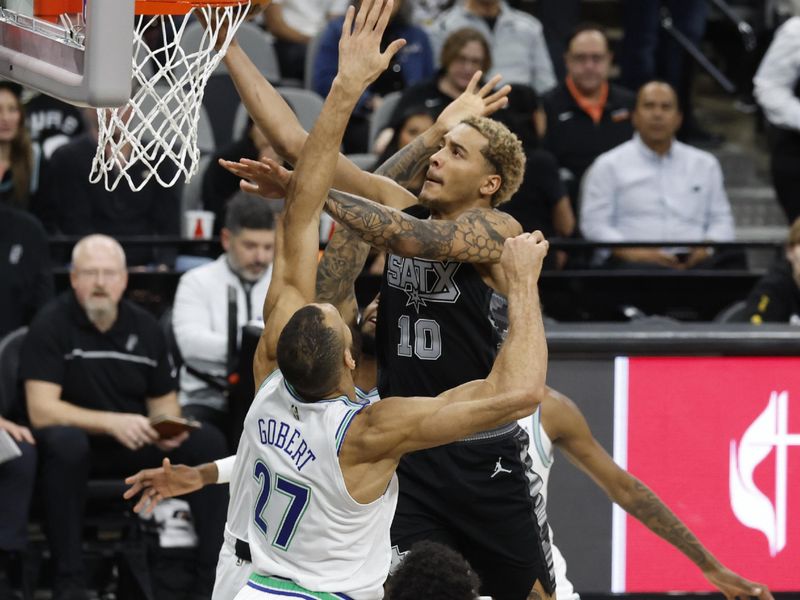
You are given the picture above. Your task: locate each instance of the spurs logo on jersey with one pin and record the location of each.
(423, 280)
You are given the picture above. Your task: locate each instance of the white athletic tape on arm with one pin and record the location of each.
(225, 468)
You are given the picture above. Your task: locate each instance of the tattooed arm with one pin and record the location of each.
(477, 236)
(566, 426)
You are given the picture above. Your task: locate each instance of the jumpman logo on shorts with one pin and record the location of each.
(498, 468)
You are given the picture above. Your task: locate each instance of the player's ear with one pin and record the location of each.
(349, 361)
(490, 185)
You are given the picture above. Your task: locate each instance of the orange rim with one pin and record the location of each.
(179, 7)
(54, 8)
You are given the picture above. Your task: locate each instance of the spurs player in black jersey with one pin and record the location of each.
(433, 325)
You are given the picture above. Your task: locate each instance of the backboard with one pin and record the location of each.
(75, 50)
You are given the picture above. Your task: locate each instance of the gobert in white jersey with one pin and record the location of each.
(315, 470)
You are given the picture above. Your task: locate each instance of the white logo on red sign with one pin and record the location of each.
(752, 507)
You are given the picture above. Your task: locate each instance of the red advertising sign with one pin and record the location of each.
(718, 439)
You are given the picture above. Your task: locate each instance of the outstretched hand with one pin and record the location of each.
(734, 587)
(263, 177)
(360, 58)
(475, 102)
(165, 482)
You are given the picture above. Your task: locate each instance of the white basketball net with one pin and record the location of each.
(159, 124)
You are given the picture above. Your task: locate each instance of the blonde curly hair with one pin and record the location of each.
(504, 152)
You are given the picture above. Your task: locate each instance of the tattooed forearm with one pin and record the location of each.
(341, 264)
(406, 165)
(477, 236)
(653, 513)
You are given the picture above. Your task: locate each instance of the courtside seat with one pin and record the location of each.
(112, 532)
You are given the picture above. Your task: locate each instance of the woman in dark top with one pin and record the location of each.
(776, 297)
(463, 53)
(18, 165)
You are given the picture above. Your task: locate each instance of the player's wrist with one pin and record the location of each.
(209, 474)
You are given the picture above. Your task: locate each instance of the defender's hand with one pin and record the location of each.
(474, 102)
(523, 256)
(734, 587)
(263, 177)
(360, 58)
(165, 482)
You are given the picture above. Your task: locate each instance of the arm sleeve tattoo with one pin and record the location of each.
(477, 236)
(654, 514)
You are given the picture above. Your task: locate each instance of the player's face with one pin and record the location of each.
(467, 62)
(10, 116)
(656, 116)
(588, 61)
(414, 126)
(99, 278)
(369, 318)
(458, 173)
(250, 252)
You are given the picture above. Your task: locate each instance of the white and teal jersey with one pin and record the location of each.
(241, 500)
(540, 450)
(370, 397)
(302, 524)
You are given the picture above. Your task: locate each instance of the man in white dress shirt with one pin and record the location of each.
(776, 89)
(655, 188)
(200, 311)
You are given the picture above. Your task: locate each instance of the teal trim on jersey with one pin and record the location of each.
(341, 432)
(365, 396)
(267, 379)
(299, 398)
(547, 461)
(275, 584)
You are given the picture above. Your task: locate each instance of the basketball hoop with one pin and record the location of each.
(159, 123)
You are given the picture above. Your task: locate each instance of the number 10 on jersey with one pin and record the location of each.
(427, 343)
(299, 497)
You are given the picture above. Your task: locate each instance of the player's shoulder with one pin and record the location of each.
(492, 219)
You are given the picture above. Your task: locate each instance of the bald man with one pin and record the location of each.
(96, 371)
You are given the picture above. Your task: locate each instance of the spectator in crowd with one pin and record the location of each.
(74, 206)
(424, 12)
(52, 123)
(776, 297)
(649, 53)
(25, 273)
(406, 125)
(96, 370)
(414, 63)
(654, 188)
(778, 93)
(19, 162)
(464, 52)
(200, 311)
(433, 571)
(519, 51)
(542, 203)
(219, 185)
(586, 115)
(17, 477)
(294, 23)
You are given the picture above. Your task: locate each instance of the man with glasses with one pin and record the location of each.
(96, 371)
(585, 114)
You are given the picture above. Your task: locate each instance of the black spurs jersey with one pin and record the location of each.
(433, 330)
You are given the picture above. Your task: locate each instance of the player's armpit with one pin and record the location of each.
(477, 236)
